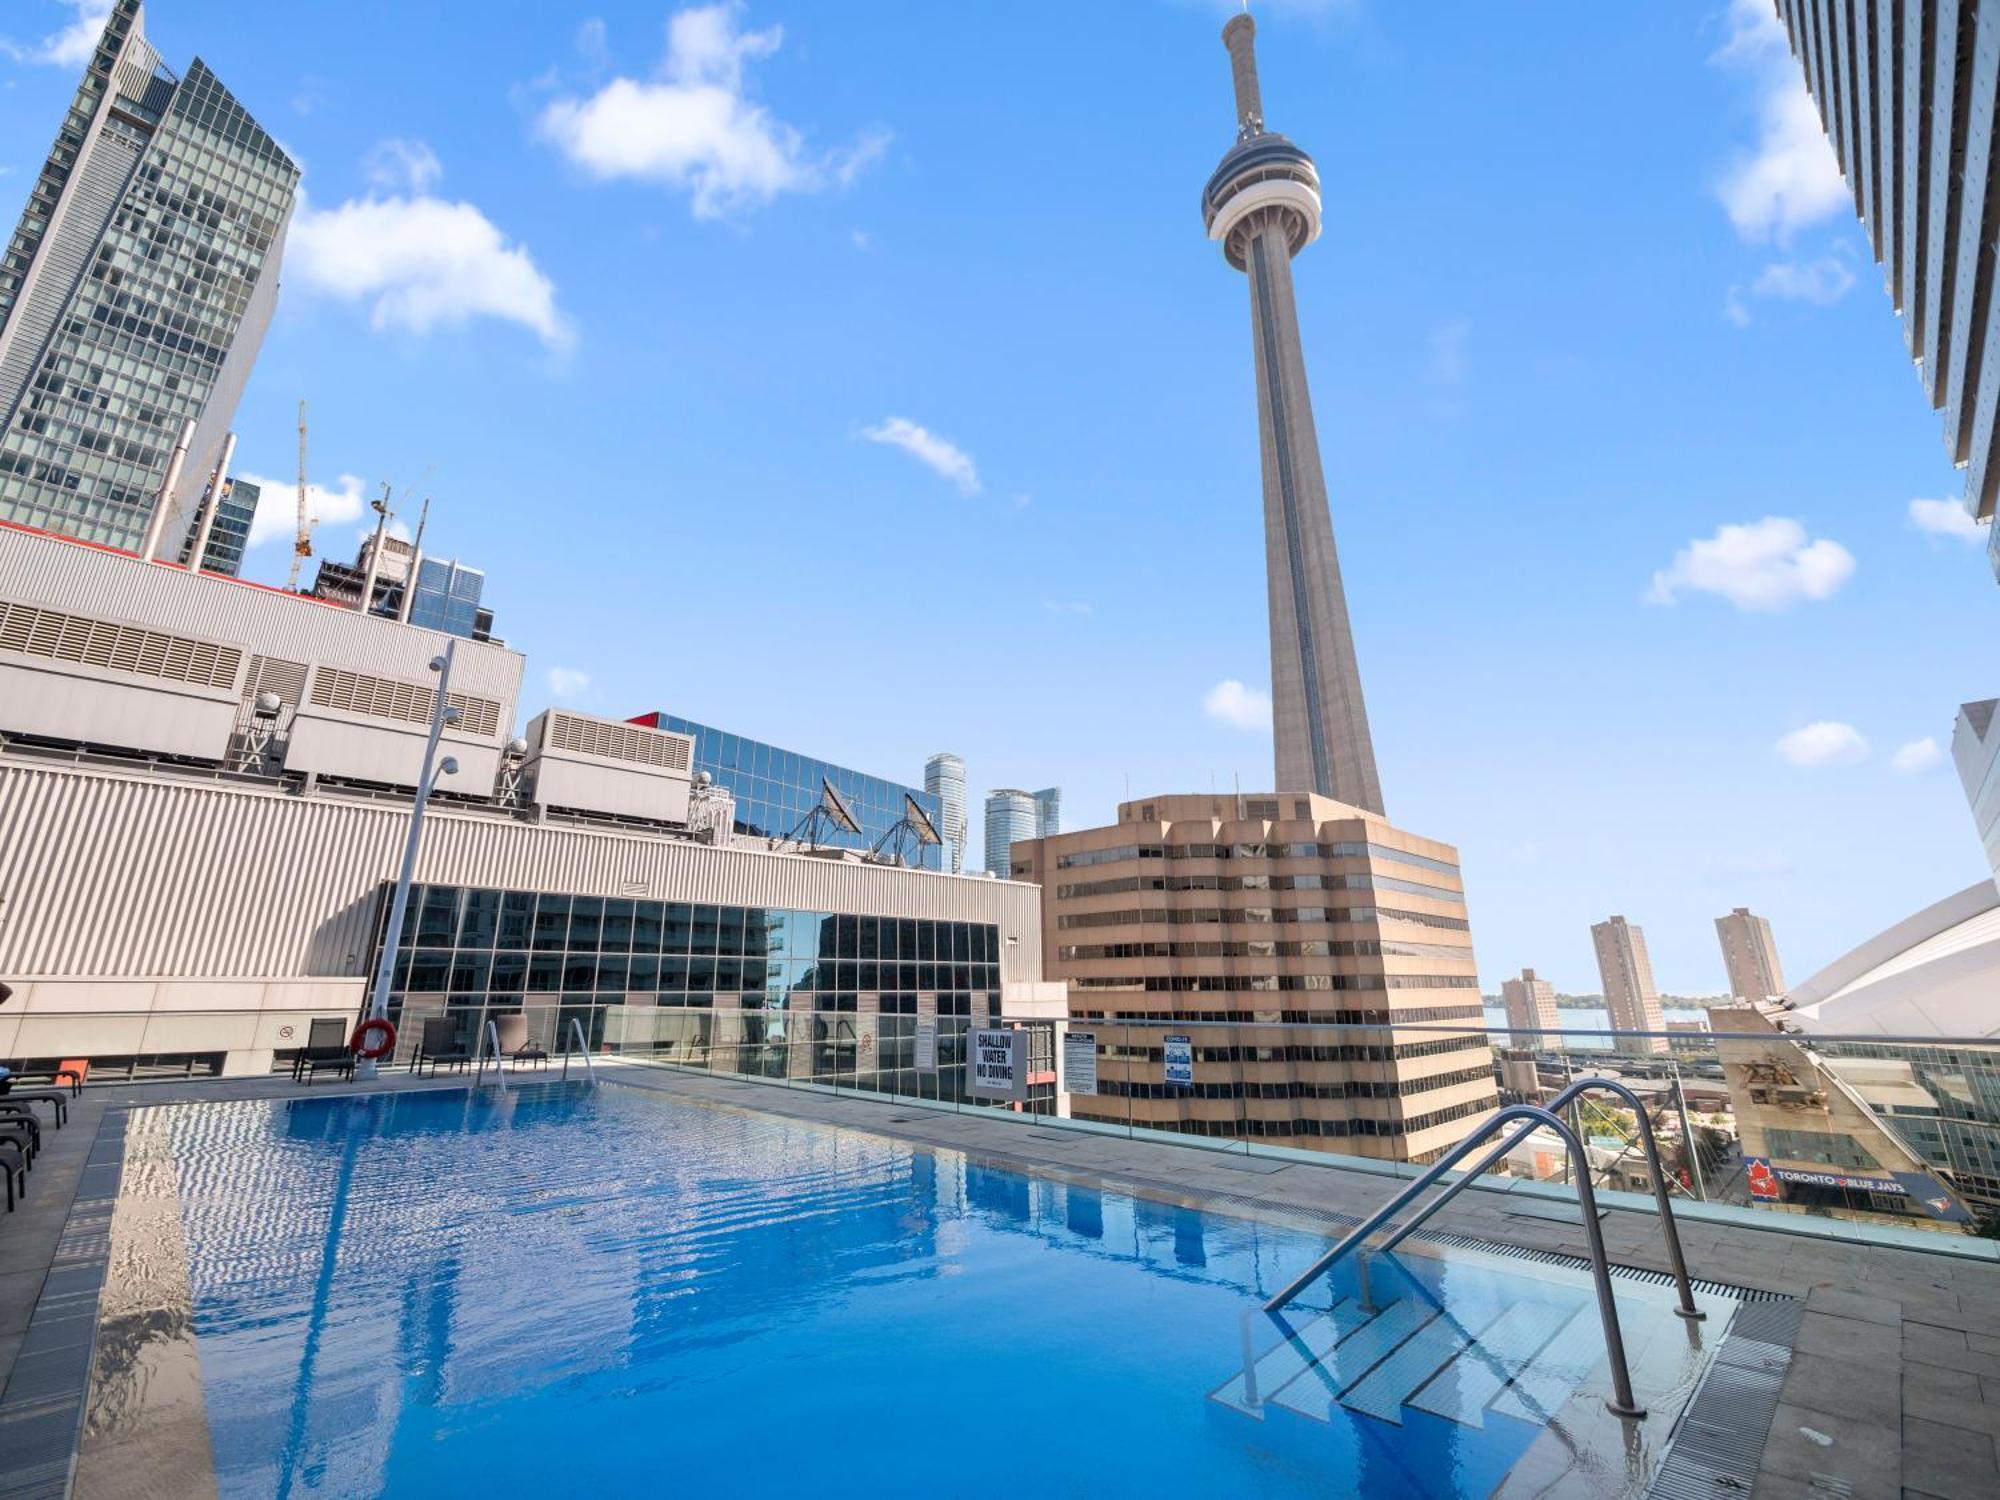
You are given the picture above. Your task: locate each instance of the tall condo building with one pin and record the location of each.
(1262, 205)
(1202, 916)
(1750, 955)
(1906, 92)
(1048, 811)
(135, 293)
(1627, 974)
(1531, 1008)
(1011, 817)
(944, 779)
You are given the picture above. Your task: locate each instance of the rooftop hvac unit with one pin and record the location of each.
(580, 763)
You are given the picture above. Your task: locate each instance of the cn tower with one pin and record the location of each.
(1263, 206)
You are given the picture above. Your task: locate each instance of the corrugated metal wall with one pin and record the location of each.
(110, 875)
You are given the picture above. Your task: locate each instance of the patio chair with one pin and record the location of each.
(517, 1044)
(440, 1044)
(326, 1047)
(58, 1099)
(14, 1167)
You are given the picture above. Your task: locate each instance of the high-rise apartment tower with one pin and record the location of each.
(1906, 90)
(1262, 204)
(1048, 811)
(1010, 819)
(1531, 1009)
(1750, 955)
(1628, 983)
(133, 297)
(944, 779)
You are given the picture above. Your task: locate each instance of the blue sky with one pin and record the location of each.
(857, 376)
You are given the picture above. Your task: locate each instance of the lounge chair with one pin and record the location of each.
(326, 1047)
(517, 1044)
(440, 1043)
(14, 1167)
(58, 1099)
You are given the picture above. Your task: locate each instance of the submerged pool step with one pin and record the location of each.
(1382, 1392)
(1464, 1388)
(1313, 1393)
(1555, 1371)
(1290, 1358)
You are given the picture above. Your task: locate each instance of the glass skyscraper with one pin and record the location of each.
(1048, 811)
(230, 534)
(447, 596)
(944, 779)
(775, 789)
(1011, 816)
(134, 295)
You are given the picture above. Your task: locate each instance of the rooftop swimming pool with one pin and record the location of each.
(570, 1290)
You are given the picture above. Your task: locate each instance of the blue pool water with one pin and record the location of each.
(572, 1290)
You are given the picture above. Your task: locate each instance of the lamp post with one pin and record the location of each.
(399, 904)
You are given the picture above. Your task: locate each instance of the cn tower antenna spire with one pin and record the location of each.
(1240, 37)
(1262, 206)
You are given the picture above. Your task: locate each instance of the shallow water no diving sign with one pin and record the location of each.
(1180, 1062)
(996, 1064)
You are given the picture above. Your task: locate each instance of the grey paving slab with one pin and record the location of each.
(1949, 1462)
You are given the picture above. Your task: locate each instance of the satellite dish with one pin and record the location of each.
(837, 808)
(920, 821)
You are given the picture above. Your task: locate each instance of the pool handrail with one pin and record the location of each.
(490, 1038)
(1621, 1401)
(1577, 1089)
(582, 1046)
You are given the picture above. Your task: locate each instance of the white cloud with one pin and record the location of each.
(1230, 702)
(1825, 743)
(939, 454)
(1763, 565)
(397, 166)
(1735, 309)
(73, 45)
(567, 682)
(1948, 518)
(1791, 179)
(1068, 607)
(1820, 282)
(859, 239)
(420, 262)
(277, 515)
(1917, 757)
(694, 128)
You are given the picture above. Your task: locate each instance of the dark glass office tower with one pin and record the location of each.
(135, 294)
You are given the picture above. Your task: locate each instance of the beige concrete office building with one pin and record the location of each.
(1202, 915)
(1627, 974)
(1750, 954)
(1531, 1008)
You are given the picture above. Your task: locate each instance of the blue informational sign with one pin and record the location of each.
(1180, 1062)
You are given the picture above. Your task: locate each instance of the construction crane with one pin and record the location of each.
(302, 546)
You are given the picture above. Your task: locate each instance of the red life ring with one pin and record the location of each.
(374, 1026)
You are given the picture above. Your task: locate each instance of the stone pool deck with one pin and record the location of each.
(1893, 1388)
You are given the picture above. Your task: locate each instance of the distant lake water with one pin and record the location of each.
(1589, 1026)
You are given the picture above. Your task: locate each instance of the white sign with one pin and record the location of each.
(1080, 1062)
(996, 1064)
(927, 1046)
(1180, 1062)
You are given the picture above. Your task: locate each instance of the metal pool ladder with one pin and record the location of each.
(576, 1035)
(490, 1039)
(1535, 1117)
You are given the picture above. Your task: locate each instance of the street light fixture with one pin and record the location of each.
(427, 779)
